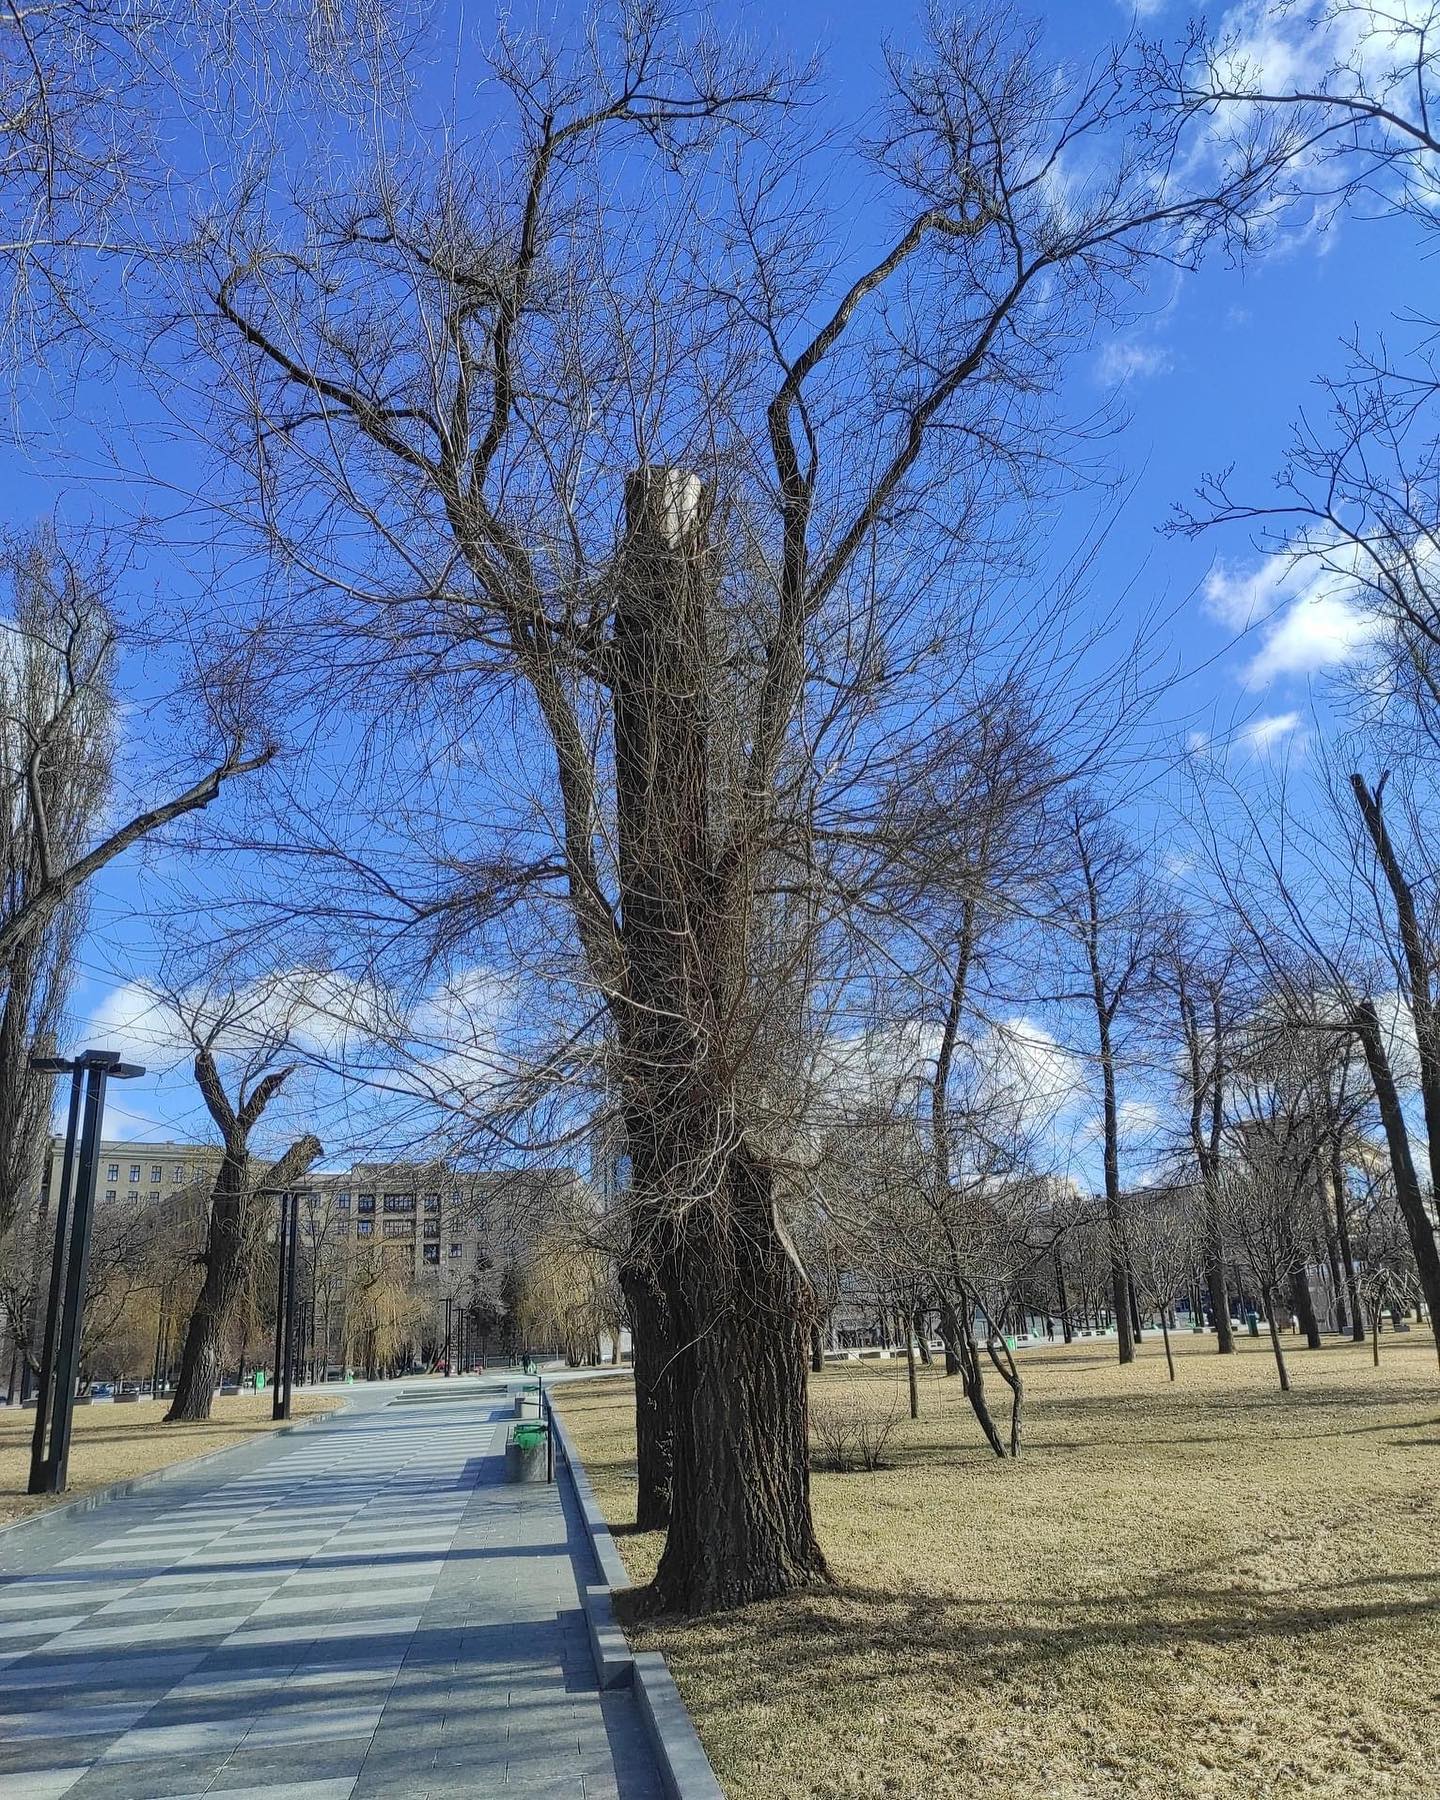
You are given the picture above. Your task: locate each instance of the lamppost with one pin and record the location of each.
(286, 1235)
(70, 1265)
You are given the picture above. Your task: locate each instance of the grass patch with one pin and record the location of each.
(115, 1443)
(1205, 1590)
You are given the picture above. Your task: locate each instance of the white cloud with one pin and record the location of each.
(1026, 1068)
(1317, 632)
(1304, 604)
(1267, 734)
(1126, 359)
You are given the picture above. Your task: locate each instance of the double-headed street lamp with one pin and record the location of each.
(285, 1343)
(70, 1265)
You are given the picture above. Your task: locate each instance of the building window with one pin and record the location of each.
(400, 1203)
(399, 1228)
(366, 1203)
(432, 1203)
(456, 1249)
(178, 1172)
(343, 1202)
(363, 1228)
(432, 1253)
(154, 1196)
(109, 1193)
(432, 1228)
(157, 1174)
(113, 1172)
(345, 1197)
(135, 1172)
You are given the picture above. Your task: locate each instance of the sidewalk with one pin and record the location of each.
(358, 1610)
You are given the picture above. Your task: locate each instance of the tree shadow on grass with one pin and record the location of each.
(837, 1637)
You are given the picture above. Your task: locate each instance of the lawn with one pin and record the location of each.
(114, 1443)
(1208, 1589)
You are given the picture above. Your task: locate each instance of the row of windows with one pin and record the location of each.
(157, 1173)
(364, 1228)
(394, 1203)
(153, 1196)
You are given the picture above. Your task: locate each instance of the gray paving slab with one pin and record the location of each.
(362, 1611)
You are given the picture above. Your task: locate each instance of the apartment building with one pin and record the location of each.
(428, 1217)
(144, 1173)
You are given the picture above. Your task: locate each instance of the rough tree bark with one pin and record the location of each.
(1417, 957)
(229, 1238)
(1402, 1163)
(1303, 1302)
(704, 1219)
(650, 1355)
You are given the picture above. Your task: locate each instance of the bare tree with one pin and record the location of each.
(1206, 982)
(456, 369)
(1358, 82)
(1166, 1234)
(1108, 908)
(217, 1021)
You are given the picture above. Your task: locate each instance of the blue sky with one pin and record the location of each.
(1211, 373)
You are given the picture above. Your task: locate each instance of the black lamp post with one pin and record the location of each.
(286, 1345)
(70, 1266)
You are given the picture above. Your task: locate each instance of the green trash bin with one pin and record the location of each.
(527, 1452)
(1252, 1319)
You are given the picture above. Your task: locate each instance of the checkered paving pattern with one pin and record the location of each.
(359, 1611)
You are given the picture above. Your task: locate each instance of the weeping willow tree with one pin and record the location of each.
(567, 1296)
(57, 744)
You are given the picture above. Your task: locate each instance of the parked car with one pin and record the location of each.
(101, 1390)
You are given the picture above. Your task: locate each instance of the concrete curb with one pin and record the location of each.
(117, 1490)
(685, 1771)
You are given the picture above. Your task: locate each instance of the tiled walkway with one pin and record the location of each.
(356, 1610)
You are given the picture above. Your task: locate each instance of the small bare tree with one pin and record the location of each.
(1165, 1230)
(239, 1027)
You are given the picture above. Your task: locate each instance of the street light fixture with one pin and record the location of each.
(70, 1265)
(287, 1233)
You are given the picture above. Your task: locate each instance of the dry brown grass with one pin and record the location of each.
(114, 1443)
(1201, 1590)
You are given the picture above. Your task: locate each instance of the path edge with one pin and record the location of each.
(117, 1490)
(685, 1771)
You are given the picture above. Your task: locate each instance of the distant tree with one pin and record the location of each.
(1166, 1232)
(220, 1021)
(1107, 907)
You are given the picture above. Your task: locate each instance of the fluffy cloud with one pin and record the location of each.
(452, 1033)
(1028, 1070)
(1306, 607)
(1267, 734)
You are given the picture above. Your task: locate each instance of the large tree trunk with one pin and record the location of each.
(1062, 1299)
(651, 1345)
(228, 1250)
(1303, 1302)
(740, 1523)
(1402, 1164)
(959, 1336)
(737, 1306)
